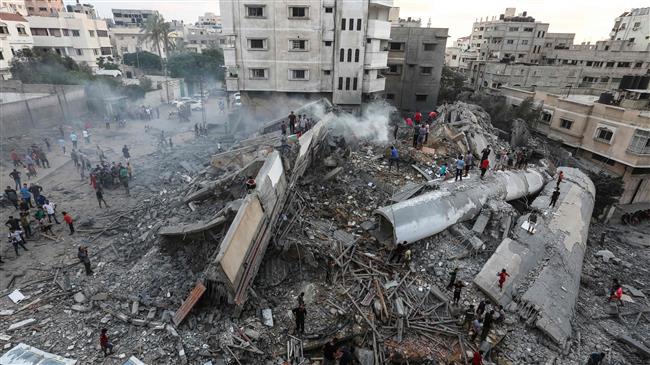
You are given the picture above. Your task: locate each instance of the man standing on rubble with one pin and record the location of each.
(292, 123)
(485, 164)
(485, 153)
(502, 278)
(460, 167)
(394, 158)
(12, 196)
(487, 325)
(554, 197)
(329, 352)
(452, 278)
(560, 177)
(68, 219)
(283, 128)
(82, 254)
(299, 313)
(469, 162)
(107, 347)
(458, 287)
(469, 317)
(124, 178)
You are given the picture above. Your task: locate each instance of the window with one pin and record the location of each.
(343, 24)
(546, 117)
(21, 30)
(604, 159)
(354, 83)
(631, 40)
(426, 70)
(54, 32)
(95, 51)
(589, 63)
(91, 33)
(66, 32)
(610, 64)
(42, 9)
(2, 57)
(636, 25)
(351, 24)
(102, 33)
(395, 69)
(453, 57)
(510, 41)
(79, 52)
(349, 54)
(75, 33)
(521, 55)
(257, 43)
(390, 96)
(255, 11)
(640, 143)
(106, 51)
(528, 29)
(347, 83)
(513, 29)
(4, 29)
(524, 42)
(356, 55)
(326, 72)
(421, 97)
(39, 31)
(340, 83)
(342, 55)
(624, 64)
(565, 123)
(298, 12)
(328, 43)
(257, 73)
(429, 46)
(329, 10)
(604, 134)
(298, 75)
(358, 25)
(638, 64)
(396, 46)
(297, 45)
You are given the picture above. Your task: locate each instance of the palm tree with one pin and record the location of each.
(157, 30)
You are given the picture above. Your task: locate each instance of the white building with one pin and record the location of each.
(460, 54)
(331, 47)
(131, 17)
(72, 34)
(131, 40)
(209, 20)
(198, 38)
(14, 35)
(634, 27)
(87, 9)
(13, 6)
(44, 7)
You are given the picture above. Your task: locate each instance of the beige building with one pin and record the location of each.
(44, 7)
(131, 40)
(14, 36)
(13, 6)
(614, 138)
(72, 34)
(633, 27)
(460, 55)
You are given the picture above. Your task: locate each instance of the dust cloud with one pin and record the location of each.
(373, 123)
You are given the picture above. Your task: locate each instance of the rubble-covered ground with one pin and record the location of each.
(142, 278)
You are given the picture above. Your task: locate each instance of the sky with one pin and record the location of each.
(591, 20)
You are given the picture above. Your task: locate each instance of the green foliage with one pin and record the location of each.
(608, 191)
(157, 31)
(528, 112)
(451, 85)
(192, 66)
(146, 84)
(106, 63)
(43, 67)
(144, 60)
(134, 92)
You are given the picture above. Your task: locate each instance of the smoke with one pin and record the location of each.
(372, 124)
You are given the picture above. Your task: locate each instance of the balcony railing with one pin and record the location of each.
(371, 85)
(378, 29)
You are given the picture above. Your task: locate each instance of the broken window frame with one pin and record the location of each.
(640, 143)
(604, 134)
(252, 11)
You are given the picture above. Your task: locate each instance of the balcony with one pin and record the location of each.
(379, 29)
(375, 60)
(388, 3)
(371, 85)
(232, 83)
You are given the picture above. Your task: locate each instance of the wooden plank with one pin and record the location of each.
(188, 303)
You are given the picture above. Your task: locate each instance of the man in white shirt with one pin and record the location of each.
(51, 213)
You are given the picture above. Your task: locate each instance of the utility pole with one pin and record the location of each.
(203, 117)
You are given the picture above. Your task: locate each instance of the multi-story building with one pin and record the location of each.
(460, 55)
(209, 20)
(44, 7)
(14, 35)
(76, 35)
(331, 47)
(13, 6)
(131, 40)
(615, 138)
(633, 27)
(415, 59)
(196, 38)
(87, 9)
(518, 38)
(131, 17)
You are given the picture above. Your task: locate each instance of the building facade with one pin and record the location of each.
(209, 20)
(131, 40)
(610, 137)
(87, 9)
(633, 27)
(14, 36)
(13, 6)
(131, 17)
(415, 59)
(44, 7)
(332, 47)
(72, 34)
(197, 38)
(460, 55)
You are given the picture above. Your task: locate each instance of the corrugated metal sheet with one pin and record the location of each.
(23, 354)
(189, 303)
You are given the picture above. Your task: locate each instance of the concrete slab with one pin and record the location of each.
(482, 221)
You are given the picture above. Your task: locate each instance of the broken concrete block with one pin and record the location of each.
(79, 297)
(135, 307)
(605, 254)
(6, 312)
(252, 334)
(138, 322)
(482, 221)
(365, 356)
(80, 308)
(633, 291)
(181, 353)
(171, 330)
(16, 296)
(122, 317)
(20, 324)
(152, 314)
(267, 317)
(99, 296)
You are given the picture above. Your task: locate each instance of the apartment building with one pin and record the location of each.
(333, 48)
(460, 55)
(14, 36)
(131, 17)
(633, 27)
(518, 38)
(209, 20)
(44, 7)
(131, 40)
(76, 35)
(415, 59)
(13, 6)
(78, 7)
(610, 137)
(198, 38)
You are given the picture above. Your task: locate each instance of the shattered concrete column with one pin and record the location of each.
(425, 215)
(545, 267)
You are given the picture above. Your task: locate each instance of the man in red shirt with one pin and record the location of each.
(68, 219)
(502, 277)
(15, 158)
(477, 359)
(485, 164)
(560, 177)
(107, 347)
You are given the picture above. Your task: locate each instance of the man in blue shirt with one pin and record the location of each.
(394, 158)
(26, 195)
(460, 166)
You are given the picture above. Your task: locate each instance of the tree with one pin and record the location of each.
(608, 191)
(451, 85)
(106, 63)
(144, 60)
(146, 84)
(157, 30)
(36, 66)
(195, 66)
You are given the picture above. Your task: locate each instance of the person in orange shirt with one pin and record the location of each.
(68, 219)
(502, 278)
